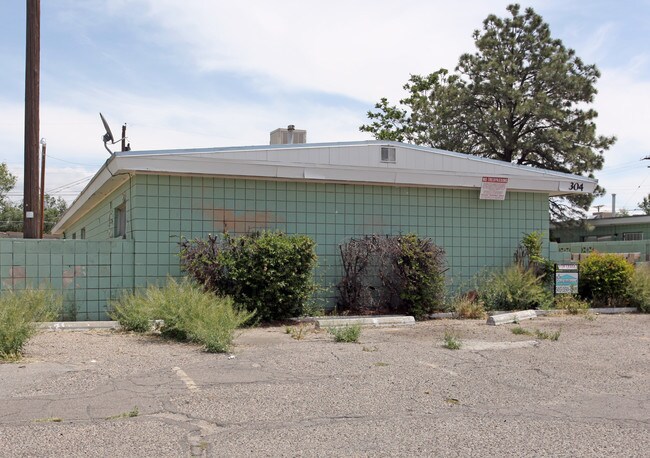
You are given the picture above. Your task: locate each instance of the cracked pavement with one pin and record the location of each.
(396, 393)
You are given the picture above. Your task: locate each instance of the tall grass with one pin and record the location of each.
(514, 288)
(19, 313)
(187, 313)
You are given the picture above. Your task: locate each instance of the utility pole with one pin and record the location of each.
(31, 225)
(43, 148)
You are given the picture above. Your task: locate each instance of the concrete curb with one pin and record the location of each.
(365, 321)
(505, 318)
(442, 315)
(78, 325)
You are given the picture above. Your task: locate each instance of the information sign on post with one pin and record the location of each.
(493, 188)
(566, 278)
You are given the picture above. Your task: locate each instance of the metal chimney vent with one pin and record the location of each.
(288, 136)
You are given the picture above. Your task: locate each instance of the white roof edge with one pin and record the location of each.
(131, 162)
(76, 210)
(464, 156)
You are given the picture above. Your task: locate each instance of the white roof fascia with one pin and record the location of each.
(102, 184)
(525, 180)
(453, 170)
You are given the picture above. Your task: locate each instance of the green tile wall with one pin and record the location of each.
(475, 233)
(99, 221)
(562, 251)
(87, 273)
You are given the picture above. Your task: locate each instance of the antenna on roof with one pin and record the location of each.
(108, 137)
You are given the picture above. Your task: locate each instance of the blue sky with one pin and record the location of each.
(218, 73)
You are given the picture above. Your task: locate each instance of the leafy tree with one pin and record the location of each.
(7, 182)
(522, 97)
(11, 214)
(645, 205)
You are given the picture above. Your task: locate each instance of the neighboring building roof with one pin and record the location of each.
(356, 162)
(617, 221)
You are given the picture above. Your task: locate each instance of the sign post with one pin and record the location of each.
(566, 278)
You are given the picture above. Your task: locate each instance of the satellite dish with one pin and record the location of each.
(108, 136)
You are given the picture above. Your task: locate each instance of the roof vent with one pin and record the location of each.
(387, 154)
(288, 136)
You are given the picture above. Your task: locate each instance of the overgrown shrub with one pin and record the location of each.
(187, 311)
(605, 278)
(270, 273)
(392, 274)
(638, 293)
(571, 304)
(514, 288)
(419, 275)
(19, 313)
(529, 256)
(468, 307)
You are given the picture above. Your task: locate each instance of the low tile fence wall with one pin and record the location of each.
(87, 273)
(561, 252)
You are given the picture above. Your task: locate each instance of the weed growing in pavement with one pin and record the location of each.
(555, 335)
(452, 342)
(49, 420)
(521, 331)
(19, 313)
(134, 412)
(298, 332)
(370, 349)
(348, 334)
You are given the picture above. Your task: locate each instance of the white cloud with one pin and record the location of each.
(361, 49)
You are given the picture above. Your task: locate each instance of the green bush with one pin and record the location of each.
(187, 313)
(514, 288)
(347, 334)
(605, 278)
(270, 273)
(638, 293)
(420, 273)
(19, 313)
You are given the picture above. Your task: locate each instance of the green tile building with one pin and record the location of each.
(476, 209)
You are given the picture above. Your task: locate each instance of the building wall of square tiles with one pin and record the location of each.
(99, 222)
(87, 273)
(474, 233)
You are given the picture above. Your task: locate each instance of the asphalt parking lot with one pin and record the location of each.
(398, 392)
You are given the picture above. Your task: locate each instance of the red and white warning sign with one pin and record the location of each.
(493, 188)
